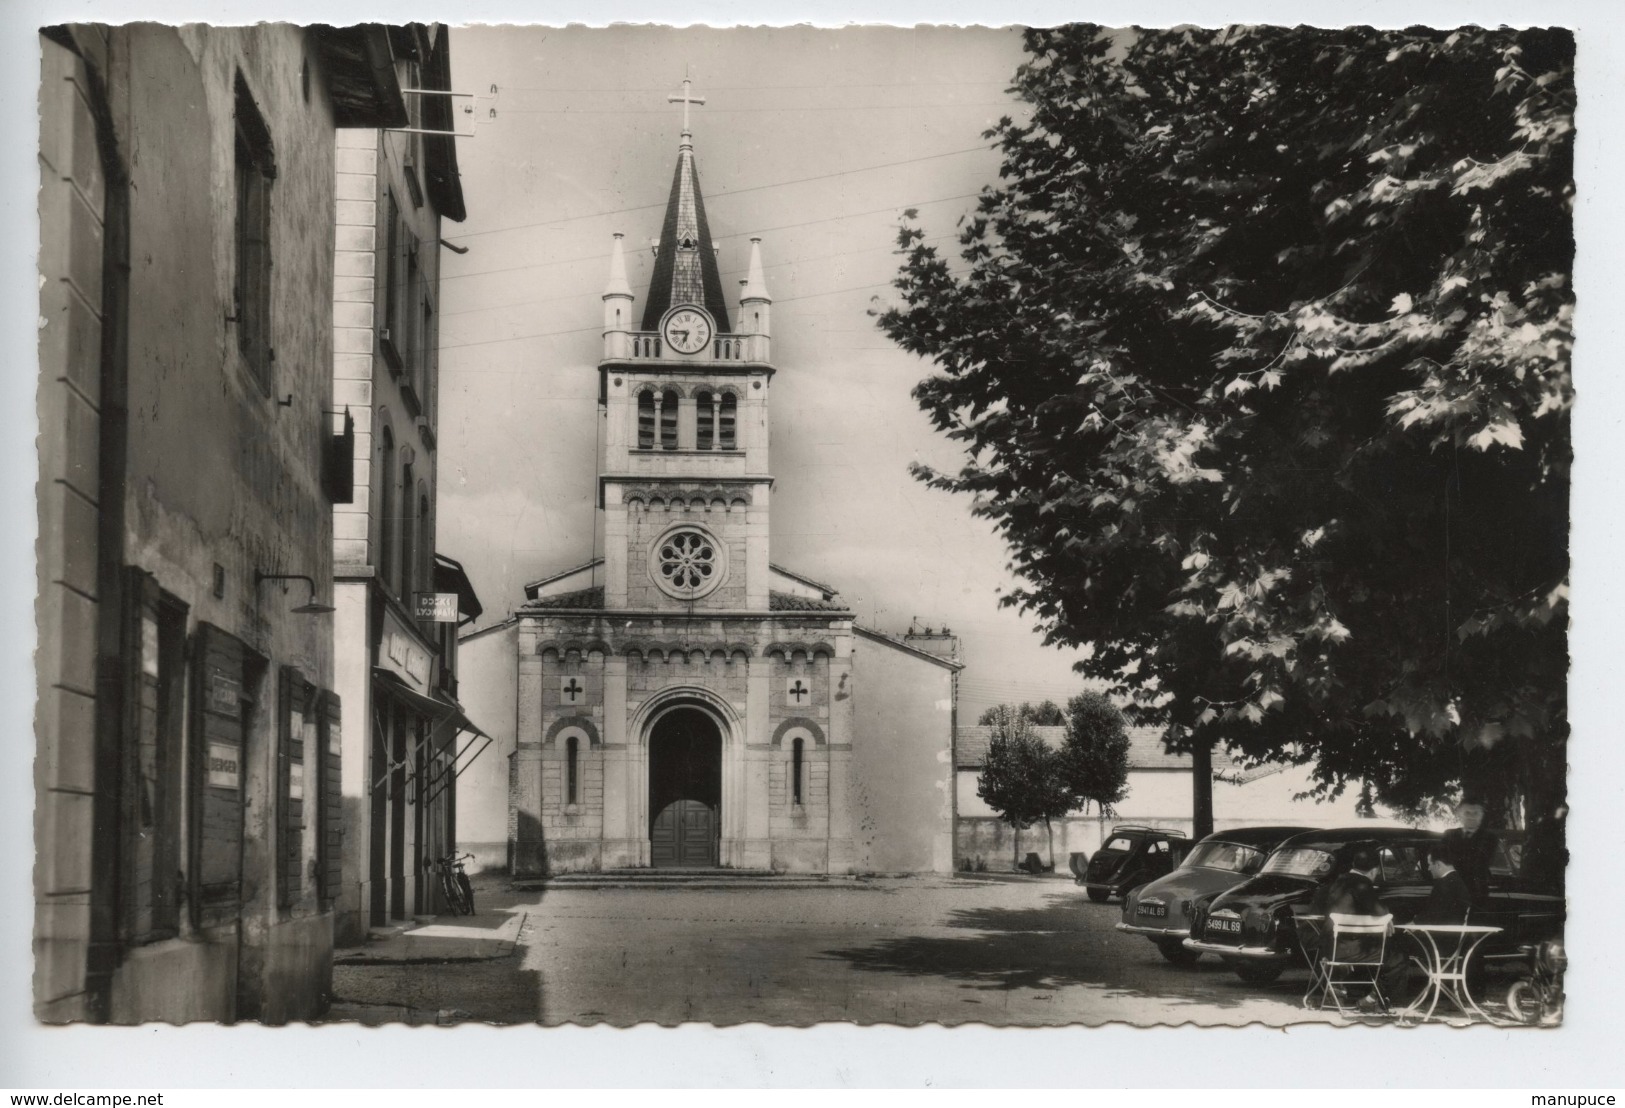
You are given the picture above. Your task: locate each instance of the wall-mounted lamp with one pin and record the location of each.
(310, 607)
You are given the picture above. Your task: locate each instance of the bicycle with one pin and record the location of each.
(454, 884)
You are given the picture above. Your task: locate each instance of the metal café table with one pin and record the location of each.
(1446, 948)
(1311, 934)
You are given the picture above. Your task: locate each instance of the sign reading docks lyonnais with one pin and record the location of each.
(437, 607)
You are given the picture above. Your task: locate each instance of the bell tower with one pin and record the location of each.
(684, 480)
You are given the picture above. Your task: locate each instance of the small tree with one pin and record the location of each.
(1094, 760)
(1021, 778)
(1045, 714)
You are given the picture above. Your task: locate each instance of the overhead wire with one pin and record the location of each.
(723, 193)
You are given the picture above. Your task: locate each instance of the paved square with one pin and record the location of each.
(1005, 952)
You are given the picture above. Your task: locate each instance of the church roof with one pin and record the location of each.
(1145, 749)
(685, 262)
(789, 602)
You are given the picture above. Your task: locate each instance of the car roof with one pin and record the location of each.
(1255, 836)
(1334, 838)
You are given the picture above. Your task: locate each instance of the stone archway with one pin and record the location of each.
(685, 789)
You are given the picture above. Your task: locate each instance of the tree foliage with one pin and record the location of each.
(1021, 776)
(1259, 352)
(1093, 762)
(1044, 714)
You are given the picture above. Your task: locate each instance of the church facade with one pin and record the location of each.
(681, 700)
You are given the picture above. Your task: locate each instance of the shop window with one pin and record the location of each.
(798, 770)
(155, 655)
(572, 772)
(646, 420)
(705, 426)
(668, 420)
(254, 169)
(727, 421)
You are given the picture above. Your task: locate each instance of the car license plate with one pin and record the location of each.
(1160, 911)
(1225, 926)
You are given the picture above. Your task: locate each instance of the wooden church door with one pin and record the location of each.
(685, 790)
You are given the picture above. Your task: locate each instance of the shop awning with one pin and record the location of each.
(429, 706)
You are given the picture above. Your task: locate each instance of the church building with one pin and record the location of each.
(682, 700)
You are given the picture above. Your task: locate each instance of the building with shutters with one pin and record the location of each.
(680, 699)
(396, 653)
(188, 816)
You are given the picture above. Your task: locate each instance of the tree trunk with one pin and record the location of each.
(1202, 789)
(1016, 827)
(1050, 830)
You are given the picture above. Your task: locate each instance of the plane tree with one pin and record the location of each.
(1259, 354)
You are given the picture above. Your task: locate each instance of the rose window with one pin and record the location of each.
(687, 562)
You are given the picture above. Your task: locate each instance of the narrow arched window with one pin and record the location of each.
(668, 420)
(408, 566)
(797, 762)
(425, 543)
(386, 507)
(705, 414)
(727, 420)
(572, 770)
(646, 420)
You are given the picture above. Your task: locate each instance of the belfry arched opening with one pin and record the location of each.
(685, 789)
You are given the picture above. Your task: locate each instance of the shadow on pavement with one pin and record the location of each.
(1056, 946)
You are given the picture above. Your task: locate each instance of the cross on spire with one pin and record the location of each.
(685, 98)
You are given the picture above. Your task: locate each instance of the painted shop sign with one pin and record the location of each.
(437, 607)
(401, 653)
(224, 694)
(225, 766)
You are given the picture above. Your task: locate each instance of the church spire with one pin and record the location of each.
(685, 270)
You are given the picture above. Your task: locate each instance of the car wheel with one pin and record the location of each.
(1522, 1002)
(1177, 952)
(1098, 895)
(1256, 973)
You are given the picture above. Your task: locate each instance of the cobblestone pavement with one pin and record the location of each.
(1005, 952)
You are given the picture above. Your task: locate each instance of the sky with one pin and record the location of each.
(815, 140)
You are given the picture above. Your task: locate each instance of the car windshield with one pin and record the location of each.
(1300, 862)
(1226, 856)
(1119, 844)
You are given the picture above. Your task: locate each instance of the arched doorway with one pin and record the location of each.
(685, 789)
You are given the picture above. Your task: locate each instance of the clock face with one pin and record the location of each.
(687, 330)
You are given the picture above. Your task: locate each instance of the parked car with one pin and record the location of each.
(1252, 926)
(1162, 909)
(1132, 856)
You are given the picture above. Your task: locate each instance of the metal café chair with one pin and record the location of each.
(1353, 955)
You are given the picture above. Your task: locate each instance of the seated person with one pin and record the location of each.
(1449, 901)
(1354, 893)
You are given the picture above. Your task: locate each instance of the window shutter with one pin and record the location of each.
(217, 772)
(330, 816)
(292, 702)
